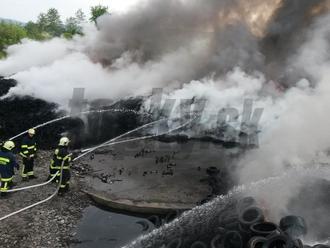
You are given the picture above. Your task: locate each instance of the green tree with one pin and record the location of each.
(73, 25)
(97, 11)
(10, 34)
(51, 23)
(80, 16)
(34, 31)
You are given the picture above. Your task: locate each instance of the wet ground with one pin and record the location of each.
(157, 174)
(101, 228)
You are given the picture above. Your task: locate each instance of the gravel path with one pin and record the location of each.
(51, 224)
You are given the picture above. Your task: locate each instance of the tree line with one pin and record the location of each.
(47, 26)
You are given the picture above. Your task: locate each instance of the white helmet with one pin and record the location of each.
(64, 141)
(9, 145)
(32, 131)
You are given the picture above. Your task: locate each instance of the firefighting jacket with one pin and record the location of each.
(61, 154)
(7, 164)
(28, 147)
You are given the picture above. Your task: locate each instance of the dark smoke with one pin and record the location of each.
(161, 27)
(284, 35)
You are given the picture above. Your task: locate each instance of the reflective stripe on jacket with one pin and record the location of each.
(28, 147)
(61, 154)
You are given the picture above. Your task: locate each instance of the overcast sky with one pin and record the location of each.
(26, 10)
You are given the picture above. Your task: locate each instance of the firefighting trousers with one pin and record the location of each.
(5, 184)
(28, 165)
(65, 180)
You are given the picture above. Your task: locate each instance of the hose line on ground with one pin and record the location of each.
(40, 202)
(35, 185)
(108, 143)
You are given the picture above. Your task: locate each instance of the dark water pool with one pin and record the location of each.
(102, 228)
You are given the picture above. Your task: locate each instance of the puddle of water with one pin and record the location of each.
(99, 228)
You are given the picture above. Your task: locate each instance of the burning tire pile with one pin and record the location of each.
(247, 227)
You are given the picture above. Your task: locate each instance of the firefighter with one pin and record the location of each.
(28, 152)
(7, 165)
(61, 155)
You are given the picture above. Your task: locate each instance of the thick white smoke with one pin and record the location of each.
(302, 129)
(158, 44)
(51, 69)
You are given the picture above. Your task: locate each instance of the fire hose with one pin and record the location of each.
(108, 143)
(68, 116)
(85, 152)
(40, 202)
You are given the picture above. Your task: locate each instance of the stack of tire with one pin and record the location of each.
(247, 227)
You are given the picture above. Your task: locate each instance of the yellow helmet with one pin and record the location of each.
(9, 145)
(64, 141)
(32, 131)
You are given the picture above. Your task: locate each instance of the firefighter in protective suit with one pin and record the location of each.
(28, 152)
(61, 155)
(7, 165)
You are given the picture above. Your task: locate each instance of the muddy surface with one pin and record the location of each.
(51, 224)
(157, 173)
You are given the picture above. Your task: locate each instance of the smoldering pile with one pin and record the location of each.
(237, 221)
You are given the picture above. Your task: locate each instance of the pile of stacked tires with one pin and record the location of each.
(243, 224)
(247, 227)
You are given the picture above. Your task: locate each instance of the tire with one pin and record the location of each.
(250, 216)
(294, 226)
(245, 203)
(216, 242)
(233, 239)
(256, 242)
(278, 241)
(264, 229)
(176, 243)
